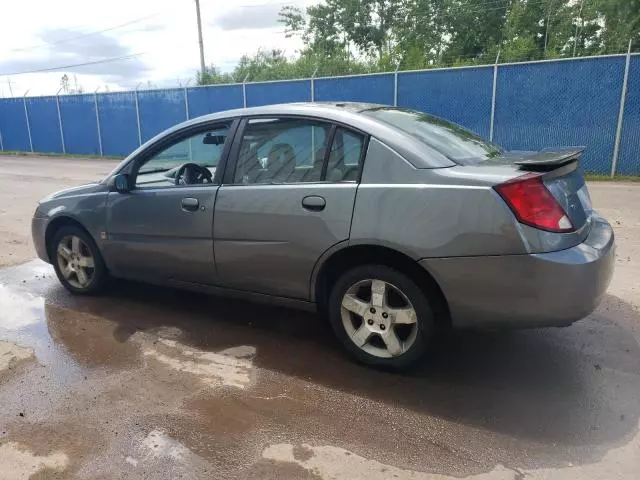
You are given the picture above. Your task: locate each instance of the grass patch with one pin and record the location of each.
(593, 177)
(10, 153)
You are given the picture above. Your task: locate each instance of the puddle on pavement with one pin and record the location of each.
(19, 310)
(18, 462)
(144, 377)
(334, 462)
(12, 355)
(231, 367)
(74, 342)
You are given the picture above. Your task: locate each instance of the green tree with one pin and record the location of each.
(621, 24)
(358, 36)
(211, 76)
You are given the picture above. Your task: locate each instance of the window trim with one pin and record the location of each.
(363, 154)
(228, 178)
(177, 137)
(327, 153)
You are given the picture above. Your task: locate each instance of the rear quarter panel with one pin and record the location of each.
(425, 213)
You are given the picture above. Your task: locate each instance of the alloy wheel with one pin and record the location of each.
(75, 261)
(379, 318)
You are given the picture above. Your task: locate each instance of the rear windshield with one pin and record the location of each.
(455, 142)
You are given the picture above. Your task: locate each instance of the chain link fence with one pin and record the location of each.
(589, 101)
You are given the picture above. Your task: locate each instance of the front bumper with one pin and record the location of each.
(38, 232)
(522, 291)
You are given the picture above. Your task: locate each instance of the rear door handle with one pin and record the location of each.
(190, 204)
(314, 203)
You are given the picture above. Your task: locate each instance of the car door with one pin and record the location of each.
(163, 230)
(287, 197)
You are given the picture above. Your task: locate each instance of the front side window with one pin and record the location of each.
(283, 150)
(201, 152)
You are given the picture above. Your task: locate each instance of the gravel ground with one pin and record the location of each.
(146, 382)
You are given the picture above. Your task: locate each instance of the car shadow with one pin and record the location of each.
(574, 386)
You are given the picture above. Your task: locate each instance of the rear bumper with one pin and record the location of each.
(522, 291)
(38, 231)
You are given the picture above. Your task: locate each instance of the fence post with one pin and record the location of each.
(244, 91)
(493, 97)
(95, 103)
(138, 115)
(395, 85)
(623, 101)
(186, 104)
(64, 148)
(26, 116)
(313, 85)
(1, 143)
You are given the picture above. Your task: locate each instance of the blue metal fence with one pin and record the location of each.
(629, 161)
(537, 105)
(13, 125)
(460, 95)
(118, 123)
(43, 114)
(78, 118)
(203, 100)
(366, 88)
(561, 103)
(278, 92)
(159, 110)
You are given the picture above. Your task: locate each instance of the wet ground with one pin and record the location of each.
(145, 382)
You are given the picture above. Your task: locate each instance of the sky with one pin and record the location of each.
(157, 38)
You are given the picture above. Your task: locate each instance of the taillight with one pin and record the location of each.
(533, 204)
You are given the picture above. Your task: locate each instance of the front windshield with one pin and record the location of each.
(452, 140)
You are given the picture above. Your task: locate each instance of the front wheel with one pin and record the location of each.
(77, 261)
(381, 316)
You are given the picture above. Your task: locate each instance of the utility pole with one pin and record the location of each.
(546, 28)
(202, 72)
(575, 40)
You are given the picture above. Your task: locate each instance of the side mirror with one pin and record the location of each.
(121, 183)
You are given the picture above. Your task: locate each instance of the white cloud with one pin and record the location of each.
(163, 30)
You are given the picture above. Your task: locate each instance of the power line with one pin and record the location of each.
(126, 24)
(71, 39)
(64, 67)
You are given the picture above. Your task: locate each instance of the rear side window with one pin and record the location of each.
(344, 159)
(282, 151)
(454, 141)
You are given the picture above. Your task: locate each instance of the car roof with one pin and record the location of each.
(296, 108)
(347, 113)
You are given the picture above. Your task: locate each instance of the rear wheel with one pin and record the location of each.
(381, 316)
(77, 261)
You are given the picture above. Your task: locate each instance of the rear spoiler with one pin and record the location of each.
(549, 159)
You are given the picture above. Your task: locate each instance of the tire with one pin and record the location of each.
(94, 278)
(401, 296)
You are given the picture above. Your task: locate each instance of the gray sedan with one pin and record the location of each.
(392, 222)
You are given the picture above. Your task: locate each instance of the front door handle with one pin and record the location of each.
(190, 204)
(314, 203)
